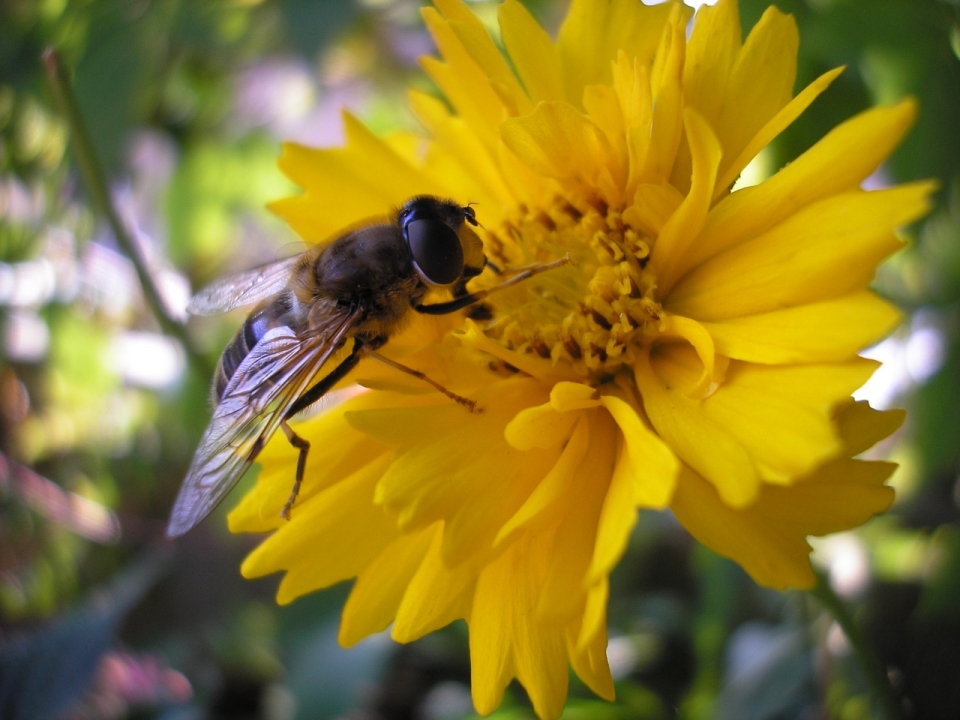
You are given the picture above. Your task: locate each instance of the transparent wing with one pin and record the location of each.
(244, 288)
(278, 371)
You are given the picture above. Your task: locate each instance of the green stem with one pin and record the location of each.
(94, 179)
(873, 673)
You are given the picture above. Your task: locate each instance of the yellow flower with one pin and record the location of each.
(699, 354)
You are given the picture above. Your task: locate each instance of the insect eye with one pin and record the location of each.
(436, 249)
(470, 215)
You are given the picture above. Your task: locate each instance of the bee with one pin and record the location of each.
(354, 292)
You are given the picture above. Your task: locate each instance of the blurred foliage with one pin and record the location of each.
(187, 102)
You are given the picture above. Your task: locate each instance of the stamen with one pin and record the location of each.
(594, 315)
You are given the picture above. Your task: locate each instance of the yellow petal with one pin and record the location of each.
(828, 249)
(711, 53)
(838, 162)
(481, 180)
(701, 341)
(472, 336)
(783, 415)
(668, 117)
(463, 82)
(476, 41)
(653, 206)
(327, 464)
(330, 538)
(776, 125)
(603, 107)
(685, 224)
(768, 539)
(652, 465)
(594, 622)
(827, 331)
(532, 51)
(588, 647)
(631, 83)
(376, 595)
(506, 641)
(617, 518)
(476, 481)
(566, 396)
(759, 85)
(841, 494)
(595, 30)
(539, 427)
(564, 587)
(405, 425)
(861, 427)
(482, 116)
(709, 448)
(534, 513)
(346, 185)
(436, 596)
(501, 481)
(559, 142)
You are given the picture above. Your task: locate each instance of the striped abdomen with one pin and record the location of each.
(261, 320)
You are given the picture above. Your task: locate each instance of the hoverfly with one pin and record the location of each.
(357, 289)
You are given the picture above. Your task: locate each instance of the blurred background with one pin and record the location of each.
(187, 102)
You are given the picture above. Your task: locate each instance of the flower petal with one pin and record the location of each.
(463, 82)
(327, 464)
(711, 54)
(701, 340)
(838, 162)
(783, 415)
(763, 422)
(566, 396)
(768, 539)
(479, 177)
(540, 427)
(350, 184)
(330, 538)
(652, 466)
(578, 510)
(533, 53)
(537, 512)
(557, 141)
(759, 85)
(380, 587)
(861, 427)
(828, 331)
(685, 224)
(666, 88)
(507, 641)
(776, 125)
(617, 518)
(588, 647)
(436, 596)
(476, 480)
(801, 260)
(595, 30)
(709, 448)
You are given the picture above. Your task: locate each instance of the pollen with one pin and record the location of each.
(594, 315)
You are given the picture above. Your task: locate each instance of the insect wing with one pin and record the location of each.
(277, 371)
(245, 288)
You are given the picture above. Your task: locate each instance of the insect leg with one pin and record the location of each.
(466, 402)
(305, 400)
(462, 302)
(304, 447)
(328, 381)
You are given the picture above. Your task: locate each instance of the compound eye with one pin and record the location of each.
(470, 215)
(436, 251)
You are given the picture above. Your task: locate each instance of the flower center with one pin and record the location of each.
(594, 314)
